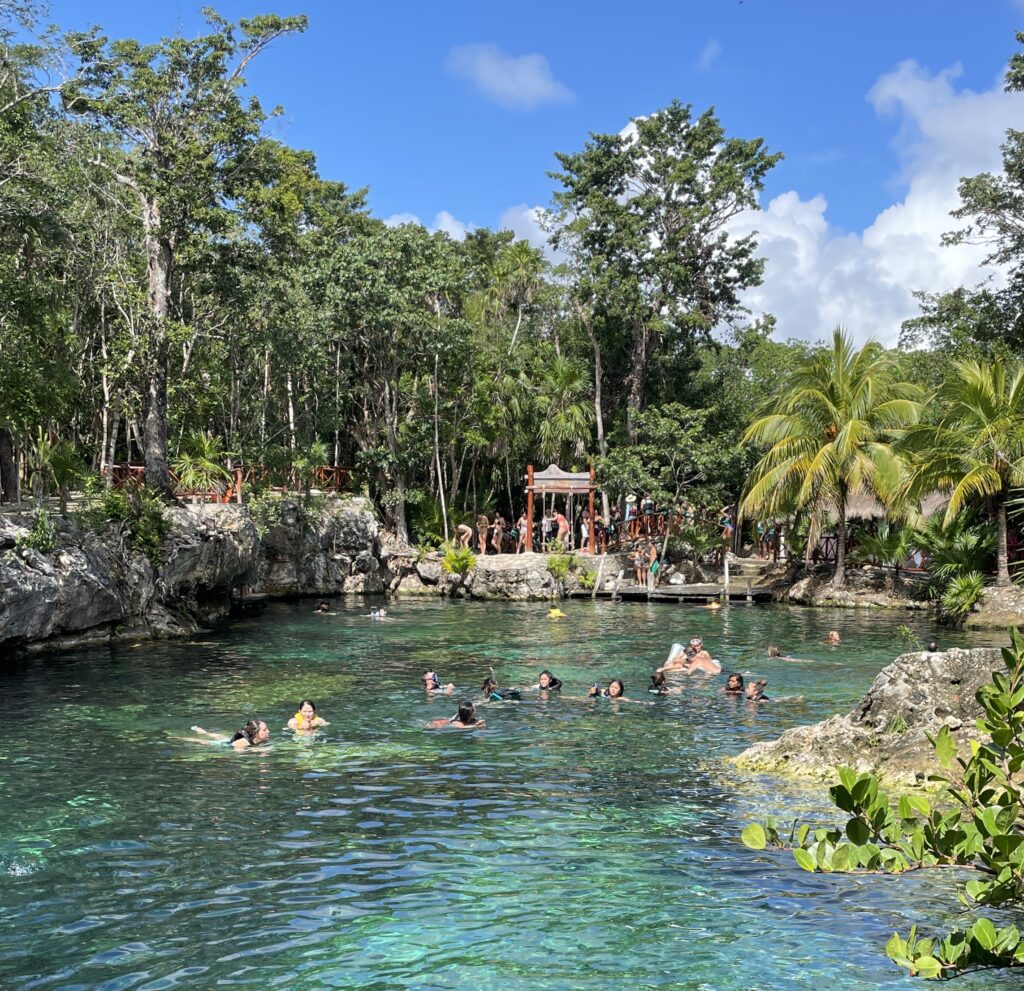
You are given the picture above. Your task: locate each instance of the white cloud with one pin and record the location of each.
(443, 221)
(525, 222)
(519, 82)
(709, 54)
(817, 276)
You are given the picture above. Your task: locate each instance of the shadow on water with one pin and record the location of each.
(572, 843)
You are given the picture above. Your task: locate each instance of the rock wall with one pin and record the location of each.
(887, 732)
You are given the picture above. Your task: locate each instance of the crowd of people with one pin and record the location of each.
(668, 679)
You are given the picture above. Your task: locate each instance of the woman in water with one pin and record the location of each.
(733, 684)
(306, 720)
(547, 682)
(432, 683)
(615, 690)
(660, 686)
(833, 639)
(465, 718)
(755, 691)
(493, 694)
(253, 734)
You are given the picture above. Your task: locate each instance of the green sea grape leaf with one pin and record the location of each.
(754, 837)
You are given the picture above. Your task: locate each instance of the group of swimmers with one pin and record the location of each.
(256, 732)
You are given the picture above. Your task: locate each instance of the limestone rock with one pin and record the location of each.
(516, 577)
(1000, 608)
(887, 732)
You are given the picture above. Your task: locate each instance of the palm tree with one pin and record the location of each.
(563, 401)
(890, 545)
(515, 281)
(976, 449)
(829, 435)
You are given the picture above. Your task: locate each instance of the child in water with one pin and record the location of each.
(305, 719)
(465, 718)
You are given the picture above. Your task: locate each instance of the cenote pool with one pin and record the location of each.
(571, 844)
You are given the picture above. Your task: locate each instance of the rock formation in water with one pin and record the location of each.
(887, 732)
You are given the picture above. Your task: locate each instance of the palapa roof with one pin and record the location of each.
(862, 505)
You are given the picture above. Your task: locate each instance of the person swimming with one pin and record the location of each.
(322, 607)
(253, 734)
(776, 653)
(432, 683)
(833, 639)
(493, 694)
(755, 691)
(377, 612)
(555, 613)
(465, 718)
(616, 689)
(660, 685)
(305, 719)
(547, 682)
(733, 684)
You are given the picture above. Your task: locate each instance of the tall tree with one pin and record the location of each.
(643, 216)
(829, 435)
(976, 448)
(181, 139)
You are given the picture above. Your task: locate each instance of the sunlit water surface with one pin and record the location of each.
(570, 844)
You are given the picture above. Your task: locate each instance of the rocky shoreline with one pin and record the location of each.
(887, 732)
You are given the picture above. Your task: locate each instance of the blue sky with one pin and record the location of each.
(430, 106)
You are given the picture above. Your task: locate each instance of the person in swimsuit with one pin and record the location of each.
(521, 534)
(833, 639)
(615, 690)
(465, 718)
(253, 734)
(433, 686)
(493, 694)
(660, 685)
(483, 524)
(777, 654)
(464, 534)
(563, 529)
(305, 719)
(547, 682)
(755, 691)
(701, 662)
(497, 532)
(733, 684)
(322, 607)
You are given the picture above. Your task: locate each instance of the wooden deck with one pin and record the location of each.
(737, 591)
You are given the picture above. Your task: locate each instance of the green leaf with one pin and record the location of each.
(805, 860)
(857, 831)
(927, 967)
(945, 746)
(984, 933)
(753, 837)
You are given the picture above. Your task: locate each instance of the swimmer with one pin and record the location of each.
(660, 686)
(432, 683)
(492, 693)
(323, 608)
(547, 682)
(777, 654)
(678, 658)
(712, 605)
(615, 690)
(465, 718)
(833, 639)
(701, 662)
(464, 534)
(377, 612)
(733, 684)
(305, 719)
(755, 691)
(555, 613)
(253, 734)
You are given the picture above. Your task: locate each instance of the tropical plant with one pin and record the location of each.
(955, 547)
(558, 567)
(306, 463)
(889, 546)
(977, 823)
(565, 409)
(975, 450)
(458, 561)
(962, 594)
(43, 535)
(56, 466)
(830, 433)
(140, 510)
(199, 466)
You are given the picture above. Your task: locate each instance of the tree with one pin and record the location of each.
(976, 448)
(643, 216)
(179, 137)
(889, 546)
(830, 433)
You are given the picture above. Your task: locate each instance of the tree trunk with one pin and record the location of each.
(602, 441)
(636, 380)
(437, 446)
(1002, 555)
(8, 468)
(839, 579)
(158, 259)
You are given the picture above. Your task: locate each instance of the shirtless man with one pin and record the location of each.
(701, 661)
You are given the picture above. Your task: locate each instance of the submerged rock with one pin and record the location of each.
(887, 732)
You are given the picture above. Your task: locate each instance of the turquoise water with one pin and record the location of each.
(570, 844)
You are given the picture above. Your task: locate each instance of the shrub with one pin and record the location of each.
(43, 535)
(558, 567)
(977, 823)
(140, 510)
(458, 561)
(962, 594)
(587, 579)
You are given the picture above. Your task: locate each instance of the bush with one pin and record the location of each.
(558, 567)
(587, 579)
(458, 561)
(977, 822)
(140, 510)
(962, 594)
(43, 535)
